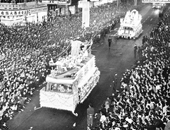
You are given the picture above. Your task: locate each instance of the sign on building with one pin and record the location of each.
(58, 2)
(155, 1)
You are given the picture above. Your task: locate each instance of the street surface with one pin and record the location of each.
(116, 61)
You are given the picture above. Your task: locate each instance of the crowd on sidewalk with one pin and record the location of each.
(143, 100)
(25, 52)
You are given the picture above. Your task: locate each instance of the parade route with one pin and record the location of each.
(110, 62)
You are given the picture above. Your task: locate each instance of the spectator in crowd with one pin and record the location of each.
(90, 115)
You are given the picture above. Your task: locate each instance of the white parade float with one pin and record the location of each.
(72, 80)
(130, 25)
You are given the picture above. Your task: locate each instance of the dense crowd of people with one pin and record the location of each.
(25, 52)
(143, 100)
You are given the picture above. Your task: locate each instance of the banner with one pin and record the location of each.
(58, 2)
(75, 48)
(72, 9)
(10, 21)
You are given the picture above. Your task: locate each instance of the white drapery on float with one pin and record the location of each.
(72, 80)
(62, 101)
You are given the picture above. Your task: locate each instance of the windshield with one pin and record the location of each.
(127, 29)
(61, 88)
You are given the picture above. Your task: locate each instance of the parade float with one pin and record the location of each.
(72, 79)
(130, 25)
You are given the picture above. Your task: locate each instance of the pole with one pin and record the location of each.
(36, 2)
(25, 1)
(135, 2)
(118, 9)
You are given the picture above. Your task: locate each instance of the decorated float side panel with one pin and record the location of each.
(63, 101)
(75, 94)
(85, 72)
(91, 82)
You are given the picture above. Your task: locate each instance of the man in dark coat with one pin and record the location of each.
(135, 51)
(109, 42)
(90, 114)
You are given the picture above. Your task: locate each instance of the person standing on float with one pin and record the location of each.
(90, 115)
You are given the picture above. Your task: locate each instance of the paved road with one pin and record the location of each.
(117, 60)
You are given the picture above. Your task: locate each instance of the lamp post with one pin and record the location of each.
(36, 2)
(117, 3)
(85, 5)
(25, 1)
(118, 6)
(135, 2)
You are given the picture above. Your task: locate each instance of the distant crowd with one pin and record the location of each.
(143, 100)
